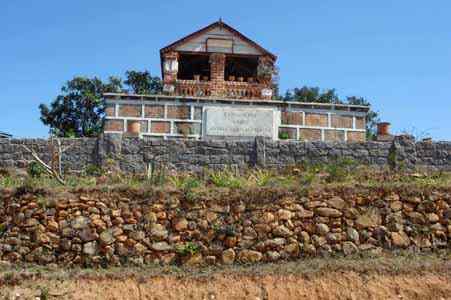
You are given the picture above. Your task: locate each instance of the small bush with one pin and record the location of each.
(284, 135)
(184, 182)
(188, 248)
(340, 170)
(93, 170)
(35, 170)
(260, 177)
(225, 179)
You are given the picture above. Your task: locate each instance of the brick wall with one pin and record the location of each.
(162, 119)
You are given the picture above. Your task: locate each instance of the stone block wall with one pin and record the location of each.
(78, 154)
(122, 227)
(134, 155)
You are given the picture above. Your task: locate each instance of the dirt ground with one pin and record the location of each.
(387, 278)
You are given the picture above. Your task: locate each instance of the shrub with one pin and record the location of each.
(284, 135)
(93, 170)
(260, 177)
(188, 248)
(225, 178)
(184, 182)
(340, 170)
(35, 170)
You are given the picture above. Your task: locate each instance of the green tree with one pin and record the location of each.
(78, 111)
(312, 95)
(143, 83)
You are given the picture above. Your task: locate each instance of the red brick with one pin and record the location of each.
(110, 110)
(154, 111)
(339, 121)
(356, 136)
(113, 125)
(160, 127)
(291, 118)
(179, 112)
(334, 135)
(129, 110)
(314, 119)
(310, 134)
(360, 123)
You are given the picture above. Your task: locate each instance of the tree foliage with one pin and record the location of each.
(78, 110)
(312, 95)
(143, 82)
(316, 95)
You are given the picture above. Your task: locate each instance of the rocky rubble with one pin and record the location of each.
(102, 228)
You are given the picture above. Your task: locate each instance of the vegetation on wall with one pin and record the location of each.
(79, 110)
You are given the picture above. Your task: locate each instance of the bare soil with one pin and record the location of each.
(400, 277)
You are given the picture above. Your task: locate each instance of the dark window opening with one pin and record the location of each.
(240, 68)
(191, 65)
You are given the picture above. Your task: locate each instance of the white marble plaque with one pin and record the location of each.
(239, 122)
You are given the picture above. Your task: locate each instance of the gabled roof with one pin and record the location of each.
(219, 23)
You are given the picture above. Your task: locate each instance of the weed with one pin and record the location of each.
(260, 177)
(340, 170)
(93, 170)
(284, 135)
(228, 230)
(35, 170)
(188, 248)
(43, 293)
(225, 178)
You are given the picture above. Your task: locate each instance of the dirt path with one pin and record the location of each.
(388, 277)
(336, 285)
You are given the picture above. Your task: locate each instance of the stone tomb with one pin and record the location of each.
(198, 118)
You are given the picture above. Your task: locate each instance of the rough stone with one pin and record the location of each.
(400, 239)
(282, 231)
(158, 231)
(107, 237)
(350, 248)
(328, 212)
(249, 256)
(180, 224)
(337, 203)
(228, 257)
(90, 248)
(371, 218)
(161, 246)
(322, 229)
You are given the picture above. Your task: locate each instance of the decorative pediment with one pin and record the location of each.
(218, 37)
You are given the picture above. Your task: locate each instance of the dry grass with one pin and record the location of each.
(402, 276)
(341, 173)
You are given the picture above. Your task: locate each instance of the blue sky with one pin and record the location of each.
(397, 53)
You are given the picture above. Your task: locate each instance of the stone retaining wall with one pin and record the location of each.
(135, 155)
(102, 228)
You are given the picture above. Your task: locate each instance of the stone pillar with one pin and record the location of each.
(217, 68)
(170, 70)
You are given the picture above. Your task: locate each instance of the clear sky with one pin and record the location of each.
(395, 53)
